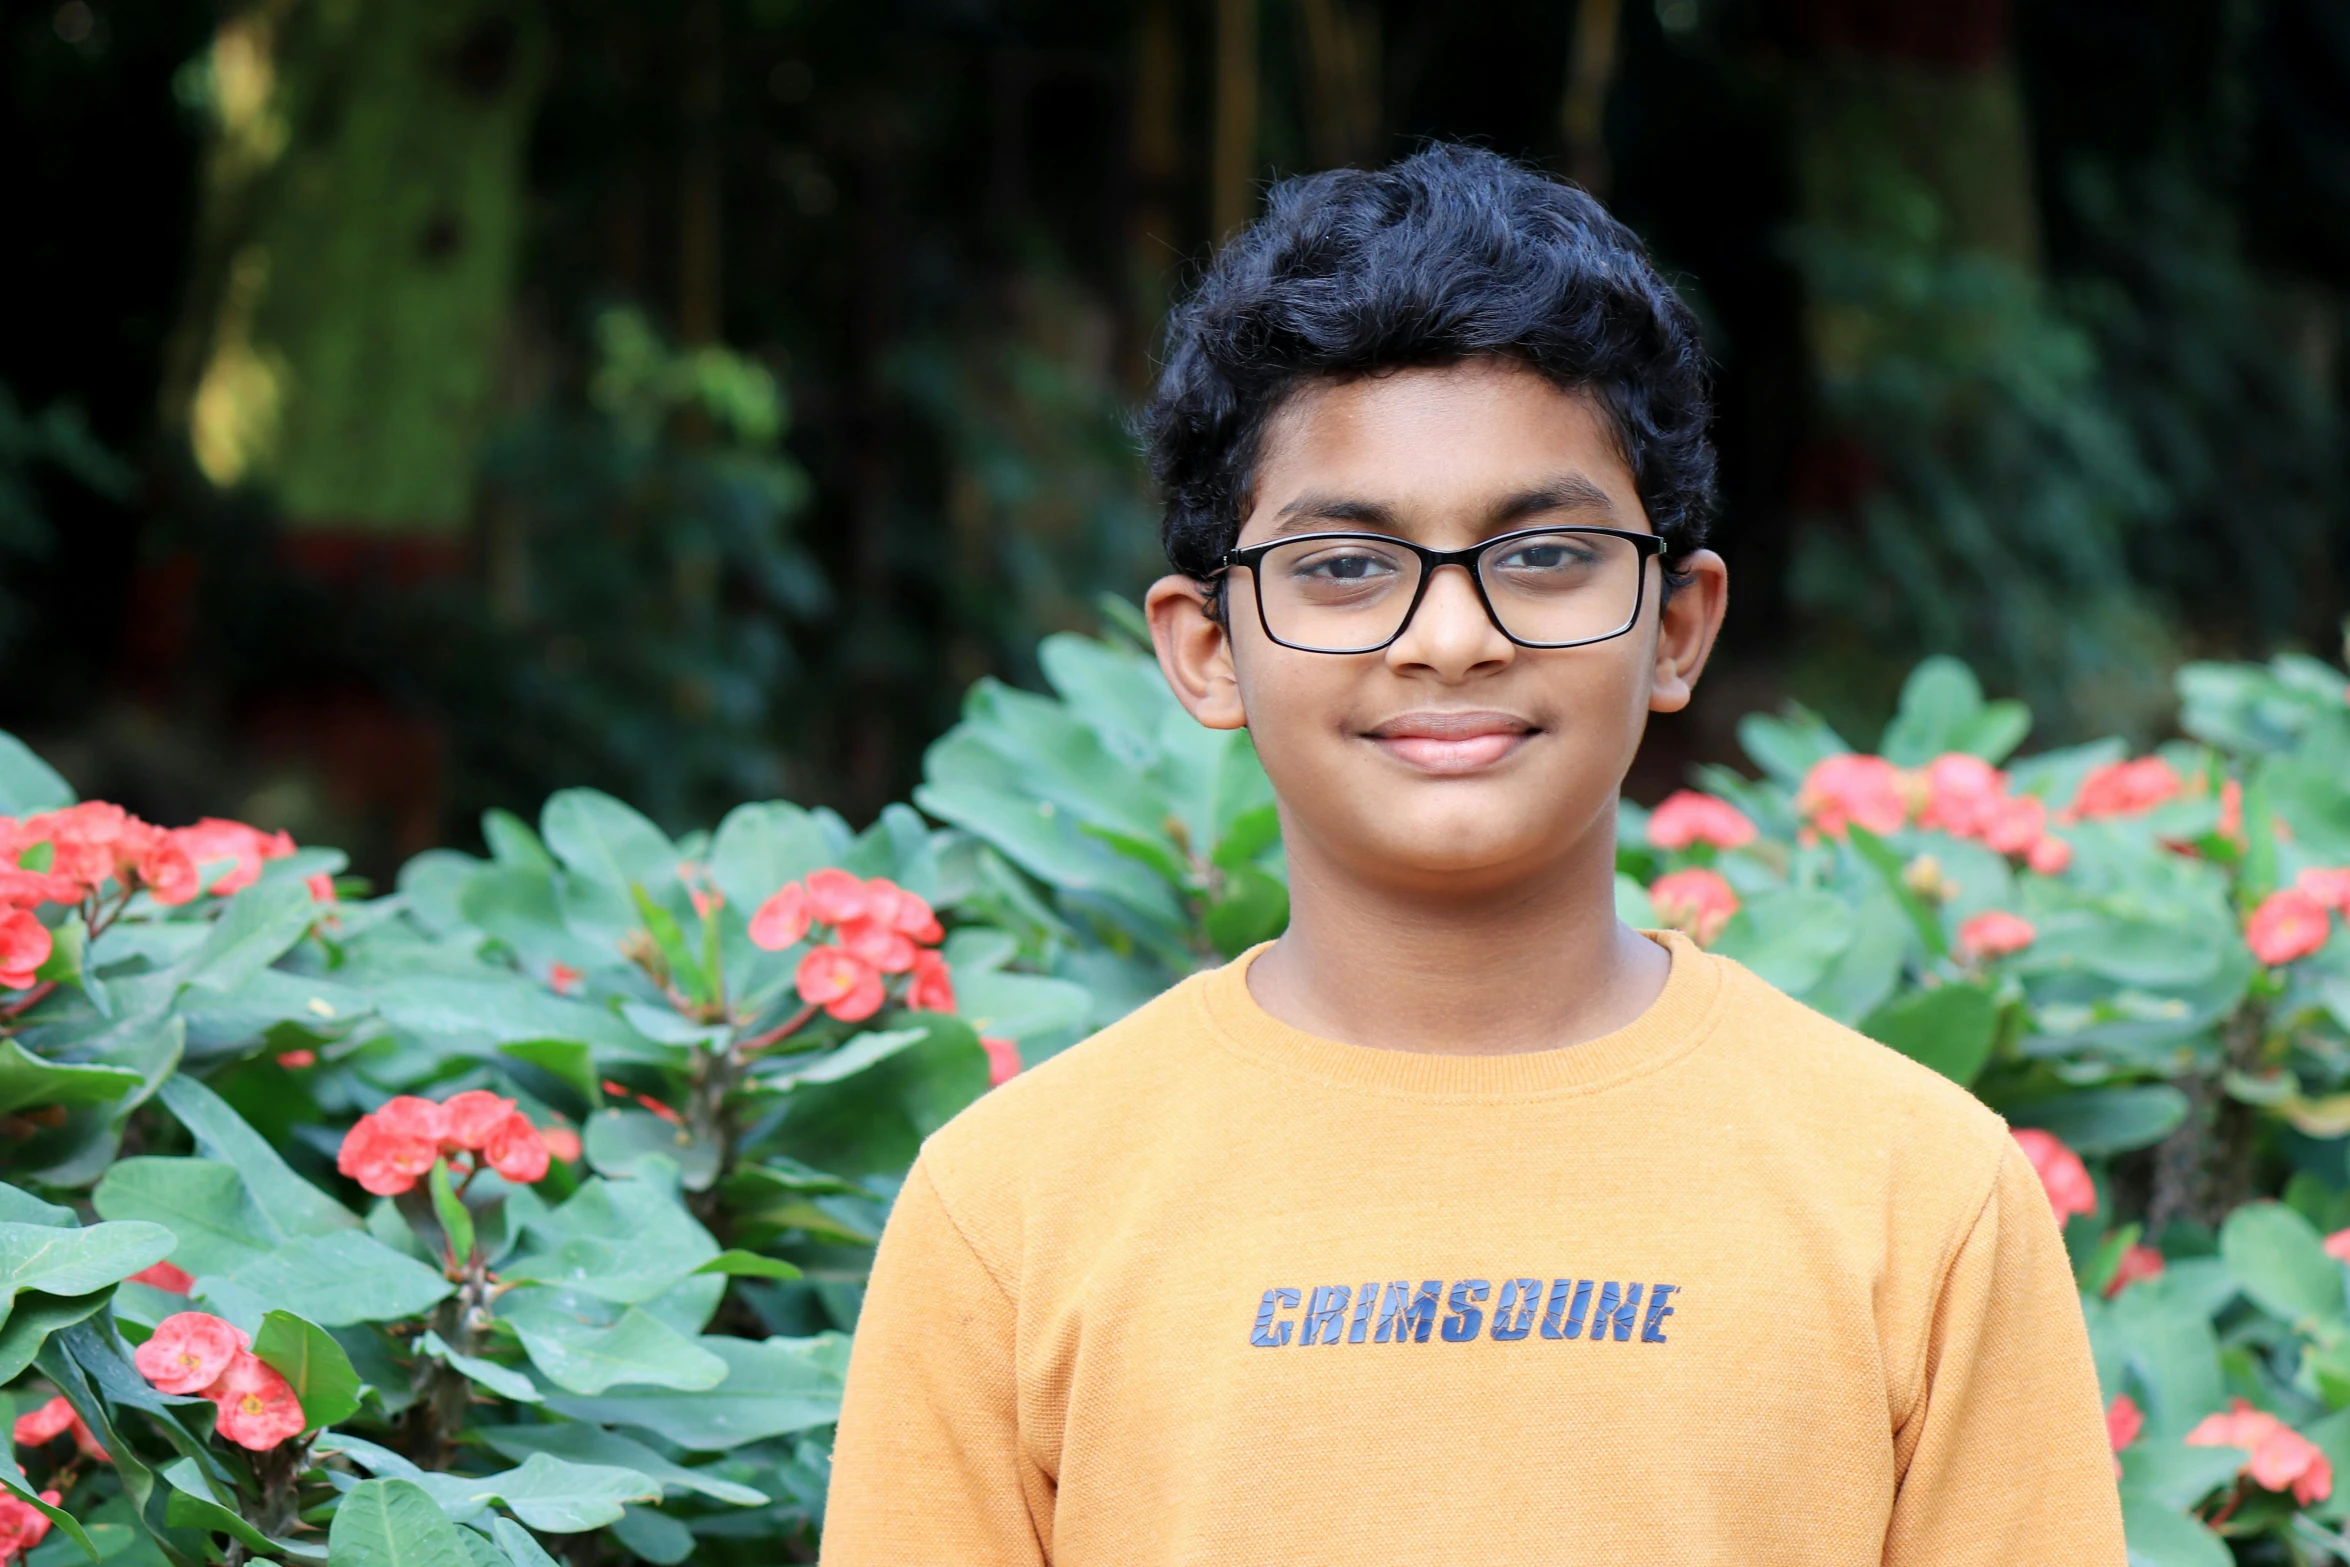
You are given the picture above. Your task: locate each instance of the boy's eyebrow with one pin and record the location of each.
(1317, 510)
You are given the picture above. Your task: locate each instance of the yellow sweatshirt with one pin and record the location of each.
(1732, 1285)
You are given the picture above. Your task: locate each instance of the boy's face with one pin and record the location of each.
(1452, 758)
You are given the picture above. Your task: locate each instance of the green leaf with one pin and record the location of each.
(547, 1493)
(29, 785)
(1949, 1028)
(456, 1221)
(861, 1051)
(749, 1265)
(313, 1364)
(2175, 1474)
(520, 1548)
(30, 1322)
(623, 1241)
(75, 1262)
(504, 1381)
(203, 1203)
(597, 837)
(1787, 748)
(502, 1011)
(336, 1280)
(254, 931)
(291, 1204)
(393, 1523)
(761, 847)
(1879, 857)
(772, 1387)
(653, 1538)
(1252, 908)
(192, 1505)
(583, 1355)
(568, 1061)
(1249, 834)
(874, 1122)
(27, 1079)
(22, 1207)
(1995, 732)
(2161, 1536)
(511, 842)
(2096, 1122)
(589, 1444)
(2280, 1260)
(1789, 936)
(1938, 701)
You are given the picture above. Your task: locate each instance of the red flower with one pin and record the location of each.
(406, 1115)
(563, 979)
(1962, 794)
(1003, 1059)
(907, 912)
(2338, 1245)
(51, 1420)
(23, 889)
(835, 897)
(883, 946)
(25, 944)
(213, 839)
(22, 1525)
(472, 1118)
(516, 1150)
(295, 1060)
(45, 1424)
(1994, 933)
(164, 1276)
(933, 987)
(2123, 1421)
(2281, 1457)
(188, 1352)
(2125, 789)
(2287, 925)
(705, 901)
(1696, 900)
(383, 1159)
(322, 887)
(168, 874)
(782, 920)
(2014, 824)
(2051, 856)
(1685, 817)
(2329, 887)
(843, 985)
(2231, 812)
(1843, 789)
(2137, 1262)
(562, 1142)
(2062, 1175)
(257, 1407)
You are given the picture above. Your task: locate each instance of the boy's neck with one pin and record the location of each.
(1537, 964)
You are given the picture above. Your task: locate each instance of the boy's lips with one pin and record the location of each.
(1445, 742)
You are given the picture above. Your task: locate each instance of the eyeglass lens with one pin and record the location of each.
(1346, 595)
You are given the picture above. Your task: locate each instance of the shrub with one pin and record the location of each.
(531, 1202)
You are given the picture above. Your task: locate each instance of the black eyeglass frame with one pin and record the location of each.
(1650, 545)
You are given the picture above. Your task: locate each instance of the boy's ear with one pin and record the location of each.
(1195, 654)
(1686, 631)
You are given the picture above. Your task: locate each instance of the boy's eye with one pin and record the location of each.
(1546, 555)
(1345, 566)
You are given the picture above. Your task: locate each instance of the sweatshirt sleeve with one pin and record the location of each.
(928, 1465)
(2004, 1453)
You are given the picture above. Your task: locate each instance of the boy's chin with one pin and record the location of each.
(1456, 851)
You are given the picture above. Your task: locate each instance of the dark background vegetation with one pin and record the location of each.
(414, 405)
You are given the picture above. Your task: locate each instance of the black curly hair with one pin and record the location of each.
(1453, 253)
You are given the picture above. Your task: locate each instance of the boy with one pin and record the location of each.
(1463, 1223)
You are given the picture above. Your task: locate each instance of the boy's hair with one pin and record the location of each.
(1454, 253)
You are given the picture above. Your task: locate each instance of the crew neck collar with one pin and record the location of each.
(1680, 1018)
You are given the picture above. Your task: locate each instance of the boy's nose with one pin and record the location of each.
(1451, 634)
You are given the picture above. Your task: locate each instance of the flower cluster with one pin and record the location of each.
(1959, 794)
(2126, 789)
(2062, 1175)
(22, 1525)
(193, 1352)
(1696, 900)
(53, 1420)
(1994, 933)
(72, 855)
(876, 929)
(2295, 921)
(392, 1147)
(2281, 1457)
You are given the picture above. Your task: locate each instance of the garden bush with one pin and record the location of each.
(522, 1212)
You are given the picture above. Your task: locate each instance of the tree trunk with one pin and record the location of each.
(361, 208)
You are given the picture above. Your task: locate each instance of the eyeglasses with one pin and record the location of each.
(1357, 592)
